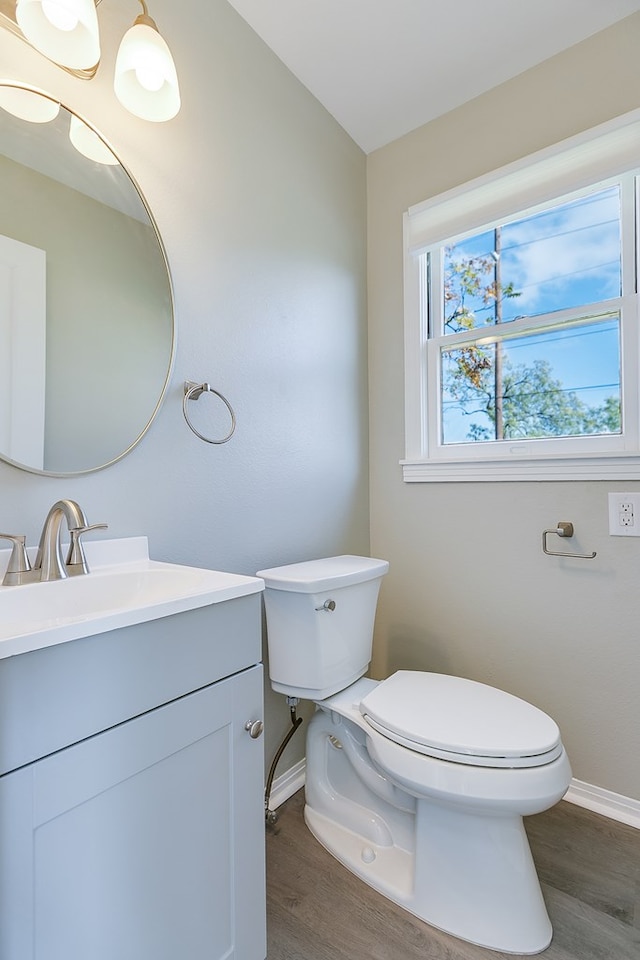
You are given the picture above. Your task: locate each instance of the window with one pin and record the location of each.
(521, 319)
(525, 322)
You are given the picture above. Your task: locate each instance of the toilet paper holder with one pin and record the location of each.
(563, 529)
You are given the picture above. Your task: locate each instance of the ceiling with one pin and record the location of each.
(385, 67)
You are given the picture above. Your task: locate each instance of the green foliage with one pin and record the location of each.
(465, 281)
(534, 402)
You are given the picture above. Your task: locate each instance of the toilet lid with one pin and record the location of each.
(461, 720)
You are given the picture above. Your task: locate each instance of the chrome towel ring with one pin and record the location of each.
(193, 391)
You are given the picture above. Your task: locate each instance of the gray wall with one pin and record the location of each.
(260, 199)
(469, 591)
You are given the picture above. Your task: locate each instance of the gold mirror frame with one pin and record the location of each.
(167, 347)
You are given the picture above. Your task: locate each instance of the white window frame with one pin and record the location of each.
(574, 166)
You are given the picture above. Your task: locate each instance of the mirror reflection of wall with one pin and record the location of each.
(109, 318)
(23, 357)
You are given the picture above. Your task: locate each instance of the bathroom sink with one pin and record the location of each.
(123, 587)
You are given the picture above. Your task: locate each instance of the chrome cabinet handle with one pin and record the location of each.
(254, 728)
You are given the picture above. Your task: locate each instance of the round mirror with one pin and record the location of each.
(86, 307)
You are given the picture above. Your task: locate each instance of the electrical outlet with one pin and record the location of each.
(624, 514)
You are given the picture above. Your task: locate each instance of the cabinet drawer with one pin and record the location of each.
(59, 695)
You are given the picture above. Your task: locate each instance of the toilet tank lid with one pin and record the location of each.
(313, 576)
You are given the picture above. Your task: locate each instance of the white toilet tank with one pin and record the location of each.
(320, 616)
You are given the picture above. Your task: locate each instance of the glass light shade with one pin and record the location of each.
(88, 143)
(146, 82)
(65, 31)
(28, 105)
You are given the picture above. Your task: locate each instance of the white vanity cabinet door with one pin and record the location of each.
(145, 842)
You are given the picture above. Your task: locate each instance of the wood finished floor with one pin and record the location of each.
(589, 868)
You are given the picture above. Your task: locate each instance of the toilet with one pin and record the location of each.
(418, 783)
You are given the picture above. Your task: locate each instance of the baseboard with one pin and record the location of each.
(612, 805)
(287, 784)
(605, 802)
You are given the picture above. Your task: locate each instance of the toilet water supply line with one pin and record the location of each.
(270, 815)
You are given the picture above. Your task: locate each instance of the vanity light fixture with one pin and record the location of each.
(32, 106)
(146, 82)
(66, 32)
(88, 143)
(28, 105)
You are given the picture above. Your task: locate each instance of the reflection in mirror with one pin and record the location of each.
(86, 310)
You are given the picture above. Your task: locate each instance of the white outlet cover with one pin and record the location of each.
(617, 503)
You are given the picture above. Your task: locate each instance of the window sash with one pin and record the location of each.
(497, 332)
(628, 217)
(595, 324)
(539, 446)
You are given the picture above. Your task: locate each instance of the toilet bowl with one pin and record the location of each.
(417, 783)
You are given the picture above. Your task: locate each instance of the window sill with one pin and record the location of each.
(551, 468)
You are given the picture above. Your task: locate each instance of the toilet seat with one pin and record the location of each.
(461, 721)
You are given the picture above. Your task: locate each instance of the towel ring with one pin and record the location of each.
(193, 391)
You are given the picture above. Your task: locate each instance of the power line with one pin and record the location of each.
(537, 393)
(513, 345)
(555, 336)
(556, 211)
(545, 238)
(562, 233)
(558, 279)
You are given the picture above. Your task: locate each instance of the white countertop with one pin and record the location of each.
(124, 587)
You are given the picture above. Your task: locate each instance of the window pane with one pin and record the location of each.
(566, 256)
(555, 383)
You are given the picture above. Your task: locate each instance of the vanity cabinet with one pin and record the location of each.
(143, 839)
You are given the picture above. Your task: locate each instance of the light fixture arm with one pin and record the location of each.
(144, 17)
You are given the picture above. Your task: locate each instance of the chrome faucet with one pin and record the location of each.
(49, 556)
(49, 564)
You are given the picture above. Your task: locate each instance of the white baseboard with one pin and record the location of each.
(605, 802)
(287, 784)
(609, 804)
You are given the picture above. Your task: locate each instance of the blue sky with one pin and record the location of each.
(568, 256)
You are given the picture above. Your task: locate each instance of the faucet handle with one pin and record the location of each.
(76, 562)
(18, 561)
